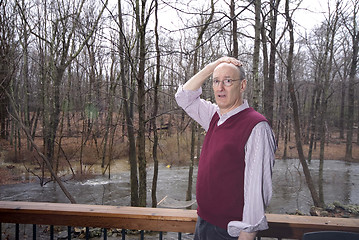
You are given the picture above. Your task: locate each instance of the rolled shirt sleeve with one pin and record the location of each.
(198, 109)
(259, 158)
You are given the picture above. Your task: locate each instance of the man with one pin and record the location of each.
(234, 183)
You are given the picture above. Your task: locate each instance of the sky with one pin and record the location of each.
(309, 14)
(312, 12)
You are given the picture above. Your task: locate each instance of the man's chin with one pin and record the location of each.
(220, 102)
(222, 107)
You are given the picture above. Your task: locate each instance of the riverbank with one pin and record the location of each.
(336, 209)
(334, 150)
(17, 170)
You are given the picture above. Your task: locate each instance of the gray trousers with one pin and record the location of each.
(207, 231)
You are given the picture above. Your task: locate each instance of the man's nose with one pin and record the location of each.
(221, 85)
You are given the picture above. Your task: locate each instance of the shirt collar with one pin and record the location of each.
(224, 117)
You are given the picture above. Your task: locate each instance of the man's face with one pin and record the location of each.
(228, 97)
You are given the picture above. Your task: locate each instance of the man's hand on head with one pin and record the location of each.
(231, 60)
(199, 78)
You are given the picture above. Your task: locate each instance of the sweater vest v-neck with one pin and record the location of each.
(220, 180)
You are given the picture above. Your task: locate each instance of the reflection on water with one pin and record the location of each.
(341, 183)
(290, 192)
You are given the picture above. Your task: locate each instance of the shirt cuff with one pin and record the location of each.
(235, 227)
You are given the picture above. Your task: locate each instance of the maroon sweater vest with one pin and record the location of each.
(220, 180)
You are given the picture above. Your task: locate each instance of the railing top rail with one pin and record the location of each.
(99, 210)
(155, 219)
(294, 226)
(104, 216)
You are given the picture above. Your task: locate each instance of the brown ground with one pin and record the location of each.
(334, 150)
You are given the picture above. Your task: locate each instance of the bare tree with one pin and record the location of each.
(327, 75)
(294, 103)
(59, 42)
(155, 110)
(142, 18)
(234, 28)
(47, 162)
(128, 110)
(7, 50)
(353, 31)
(256, 49)
(202, 30)
(268, 93)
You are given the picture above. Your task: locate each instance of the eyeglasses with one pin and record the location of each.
(226, 82)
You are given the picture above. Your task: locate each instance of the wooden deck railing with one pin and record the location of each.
(155, 219)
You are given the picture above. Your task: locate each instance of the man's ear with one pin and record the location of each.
(243, 85)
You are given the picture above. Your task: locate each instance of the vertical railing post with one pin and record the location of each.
(33, 231)
(161, 234)
(123, 234)
(69, 232)
(142, 235)
(179, 236)
(51, 232)
(17, 237)
(104, 234)
(87, 233)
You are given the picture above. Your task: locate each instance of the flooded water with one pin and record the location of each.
(290, 192)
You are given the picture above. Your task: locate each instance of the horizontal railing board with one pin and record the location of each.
(155, 219)
(293, 226)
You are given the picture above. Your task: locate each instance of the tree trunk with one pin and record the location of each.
(128, 113)
(141, 101)
(342, 109)
(351, 93)
(313, 121)
(193, 128)
(358, 124)
(322, 134)
(7, 53)
(268, 93)
(155, 110)
(47, 162)
(264, 51)
(54, 116)
(109, 120)
(325, 73)
(234, 29)
(280, 107)
(293, 97)
(286, 130)
(5, 80)
(26, 89)
(190, 172)
(257, 41)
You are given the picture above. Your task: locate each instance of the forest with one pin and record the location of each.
(86, 82)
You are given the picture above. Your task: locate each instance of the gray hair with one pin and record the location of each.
(242, 73)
